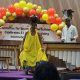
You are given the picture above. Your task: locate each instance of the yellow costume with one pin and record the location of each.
(32, 51)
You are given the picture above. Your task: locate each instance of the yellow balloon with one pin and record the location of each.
(59, 32)
(35, 6)
(54, 27)
(11, 18)
(4, 18)
(2, 22)
(62, 25)
(44, 11)
(22, 4)
(45, 17)
(16, 5)
(39, 7)
(26, 10)
(29, 5)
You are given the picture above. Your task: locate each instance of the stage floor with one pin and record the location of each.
(13, 74)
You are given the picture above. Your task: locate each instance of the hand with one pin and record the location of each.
(72, 39)
(62, 40)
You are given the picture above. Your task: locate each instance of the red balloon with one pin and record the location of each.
(19, 11)
(1, 16)
(51, 11)
(39, 14)
(58, 20)
(51, 19)
(32, 12)
(11, 8)
(2, 11)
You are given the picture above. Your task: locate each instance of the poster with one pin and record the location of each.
(16, 31)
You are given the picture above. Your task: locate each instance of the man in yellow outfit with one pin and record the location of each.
(32, 47)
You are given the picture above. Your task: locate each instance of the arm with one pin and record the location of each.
(21, 48)
(41, 42)
(75, 34)
(62, 36)
(40, 39)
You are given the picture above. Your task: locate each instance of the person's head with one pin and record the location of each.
(46, 71)
(67, 22)
(67, 16)
(33, 22)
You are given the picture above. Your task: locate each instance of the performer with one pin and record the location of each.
(69, 35)
(32, 50)
(69, 32)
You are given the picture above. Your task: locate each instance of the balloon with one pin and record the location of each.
(38, 10)
(19, 12)
(45, 17)
(58, 20)
(4, 18)
(35, 6)
(32, 12)
(56, 15)
(1, 16)
(11, 18)
(14, 15)
(2, 22)
(39, 14)
(29, 5)
(2, 12)
(22, 4)
(59, 32)
(44, 11)
(62, 25)
(16, 5)
(51, 19)
(54, 27)
(11, 8)
(26, 10)
(8, 14)
(51, 11)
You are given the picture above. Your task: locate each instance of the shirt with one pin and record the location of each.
(68, 33)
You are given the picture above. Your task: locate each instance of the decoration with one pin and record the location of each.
(23, 8)
(54, 27)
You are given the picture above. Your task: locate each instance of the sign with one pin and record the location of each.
(16, 31)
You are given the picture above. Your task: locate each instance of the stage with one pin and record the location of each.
(14, 75)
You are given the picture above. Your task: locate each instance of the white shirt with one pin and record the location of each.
(68, 33)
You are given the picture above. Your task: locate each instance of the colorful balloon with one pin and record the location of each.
(17, 5)
(54, 27)
(32, 12)
(19, 12)
(59, 32)
(45, 17)
(22, 4)
(51, 11)
(62, 25)
(35, 6)
(29, 5)
(2, 22)
(8, 14)
(11, 8)
(58, 20)
(25, 10)
(51, 19)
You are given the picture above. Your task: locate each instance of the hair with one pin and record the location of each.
(46, 71)
(33, 20)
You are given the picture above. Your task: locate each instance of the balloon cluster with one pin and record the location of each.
(23, 8)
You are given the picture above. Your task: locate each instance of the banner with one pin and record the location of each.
(16, 31)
